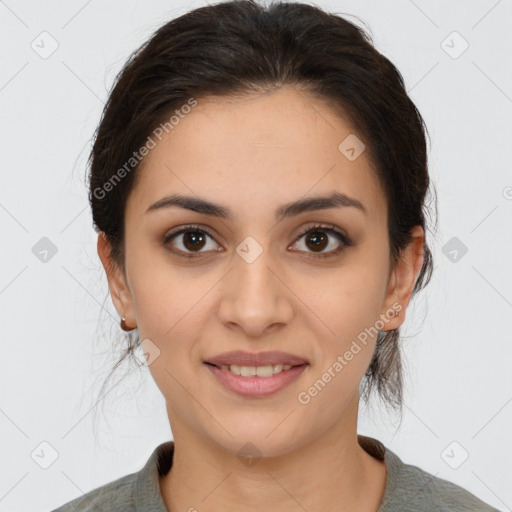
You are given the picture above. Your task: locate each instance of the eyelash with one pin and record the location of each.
(331, 229)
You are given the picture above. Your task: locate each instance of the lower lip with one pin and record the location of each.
(256, 386)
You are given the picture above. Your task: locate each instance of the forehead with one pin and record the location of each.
(258, 152)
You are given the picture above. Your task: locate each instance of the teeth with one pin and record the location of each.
(251, 371)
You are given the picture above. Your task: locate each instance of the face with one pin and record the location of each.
(309, 283)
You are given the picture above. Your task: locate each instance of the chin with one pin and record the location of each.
(263, 440)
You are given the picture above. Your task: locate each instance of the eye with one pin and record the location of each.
(191, 239)
(318, 239)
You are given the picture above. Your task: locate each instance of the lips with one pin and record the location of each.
(241, 358)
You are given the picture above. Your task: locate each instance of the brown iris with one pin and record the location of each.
(319, 238)
(195, 238)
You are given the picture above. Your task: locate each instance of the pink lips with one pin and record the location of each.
(256, 386)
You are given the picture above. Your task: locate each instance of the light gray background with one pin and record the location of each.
(57, 327)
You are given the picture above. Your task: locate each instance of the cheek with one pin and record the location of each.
(349, 304)
(171, 314)
(163, 298)
(348, 299)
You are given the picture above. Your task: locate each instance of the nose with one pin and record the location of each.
(255, 297)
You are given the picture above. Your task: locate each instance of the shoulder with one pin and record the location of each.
(113, 497)
(417, 490)
(134, 492)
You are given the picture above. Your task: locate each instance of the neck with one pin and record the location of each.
(330, 473)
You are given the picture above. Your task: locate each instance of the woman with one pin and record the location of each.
(259, 181)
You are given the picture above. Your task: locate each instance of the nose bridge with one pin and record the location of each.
(254, 297)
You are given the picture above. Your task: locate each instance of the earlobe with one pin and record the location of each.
(118, 287)
(405, 274)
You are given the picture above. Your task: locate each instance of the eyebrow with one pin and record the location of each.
(336, 199)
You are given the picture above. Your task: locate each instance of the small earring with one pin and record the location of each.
(124, 326)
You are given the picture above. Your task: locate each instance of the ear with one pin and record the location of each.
(401, 282)
(117, 283)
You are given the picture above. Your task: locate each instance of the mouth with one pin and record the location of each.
(255, 382)
(244, 359)
(263, 371)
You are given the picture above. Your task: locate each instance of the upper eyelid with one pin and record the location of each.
(330, 228)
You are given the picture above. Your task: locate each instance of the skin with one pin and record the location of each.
(252, 156)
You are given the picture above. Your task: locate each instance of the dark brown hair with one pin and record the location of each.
(239, 47)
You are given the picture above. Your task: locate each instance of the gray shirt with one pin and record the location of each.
(408, 488)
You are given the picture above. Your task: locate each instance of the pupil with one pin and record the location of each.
(193, 237)
(318, 238)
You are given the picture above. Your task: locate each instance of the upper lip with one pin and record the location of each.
(241, 358)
